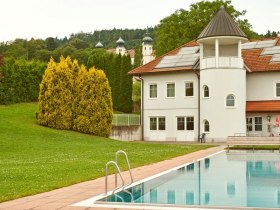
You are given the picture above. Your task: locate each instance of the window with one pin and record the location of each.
(190, 123)
(249, 122)
(230, 101)
(153, 90)
(157, 123)
(153, 123)
(258, 123)
(278, 89)
(153, 195)
(189, 88)
(161, 123)
(206, 126)
(182, 121)
(171, 197)
(170, 90)
(206, 92)
(190, 198)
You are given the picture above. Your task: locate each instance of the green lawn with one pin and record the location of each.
(35, 159)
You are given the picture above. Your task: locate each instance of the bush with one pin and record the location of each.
(19, 80)
(73, 98)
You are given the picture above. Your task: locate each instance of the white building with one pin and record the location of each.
(221, 84)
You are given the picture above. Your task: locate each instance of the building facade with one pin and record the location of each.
(219, 85)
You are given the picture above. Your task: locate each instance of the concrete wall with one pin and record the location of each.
(126, 133)
(262, 86)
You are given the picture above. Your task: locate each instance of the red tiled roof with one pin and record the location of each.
(253, 60)
(257, 62)
(149, 67)
(263, 106)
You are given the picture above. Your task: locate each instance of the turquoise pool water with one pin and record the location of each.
(234, 179)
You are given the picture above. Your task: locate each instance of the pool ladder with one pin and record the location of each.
(118, 172)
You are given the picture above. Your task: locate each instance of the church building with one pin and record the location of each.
(219, 85)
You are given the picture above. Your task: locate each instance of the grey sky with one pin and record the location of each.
(44, 18)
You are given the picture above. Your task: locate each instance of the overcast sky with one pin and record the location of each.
(58, 18)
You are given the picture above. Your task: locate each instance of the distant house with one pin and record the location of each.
(220, 84)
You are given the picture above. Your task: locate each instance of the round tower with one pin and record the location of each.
(120, 49)
(147, 48)
(222, 78)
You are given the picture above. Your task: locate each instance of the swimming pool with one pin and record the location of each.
(234, 179)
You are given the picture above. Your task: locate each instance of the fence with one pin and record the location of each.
(126, 119)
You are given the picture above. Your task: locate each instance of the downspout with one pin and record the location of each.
(142, 108)
(198, 125)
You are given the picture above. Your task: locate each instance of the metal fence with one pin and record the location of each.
(126, 119)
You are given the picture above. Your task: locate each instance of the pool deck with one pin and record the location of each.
(63, 198)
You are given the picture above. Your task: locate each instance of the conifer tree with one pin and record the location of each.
(115, 81)
(125, 103)
(93, 105)
(55, 97)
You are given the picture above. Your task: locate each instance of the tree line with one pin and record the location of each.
(29, 57)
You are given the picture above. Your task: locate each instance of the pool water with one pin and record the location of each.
(234, 179)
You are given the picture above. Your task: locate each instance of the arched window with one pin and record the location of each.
(206, 126)
(205, 91)
(230, 101)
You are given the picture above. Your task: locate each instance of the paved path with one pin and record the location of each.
(63, 198)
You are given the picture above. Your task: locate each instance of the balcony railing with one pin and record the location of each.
(223, 62)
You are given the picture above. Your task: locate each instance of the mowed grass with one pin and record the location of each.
(36, 159)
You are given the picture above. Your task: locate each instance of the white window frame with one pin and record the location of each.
(149, 90)
(230, 107)
(203, 93)
(275, 89)
(166, 88)
(185, 88)
(185, 123)
(157, 123)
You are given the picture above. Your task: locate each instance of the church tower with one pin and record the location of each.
(222, 78)
(120, 49)
(147, 48)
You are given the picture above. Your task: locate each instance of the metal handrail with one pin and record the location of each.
(127, 162)
(106, 179)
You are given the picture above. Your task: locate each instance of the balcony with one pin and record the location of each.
(223, 62)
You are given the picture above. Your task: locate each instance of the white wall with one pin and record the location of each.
(224, 121)
(261, 86)
(170, 108)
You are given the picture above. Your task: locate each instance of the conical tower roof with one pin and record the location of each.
(99, 45)
(120, 41)
(222, 24)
